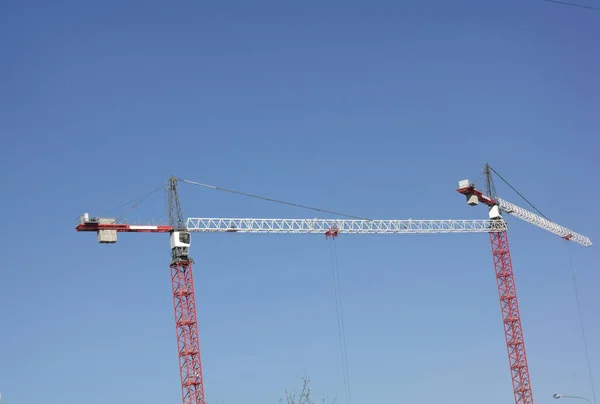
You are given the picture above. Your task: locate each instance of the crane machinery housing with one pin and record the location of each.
(184, 303)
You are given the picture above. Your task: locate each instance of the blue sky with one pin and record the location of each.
(372, 108)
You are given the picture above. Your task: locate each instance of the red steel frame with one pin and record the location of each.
(509, 304)
(188, 341)
(511, 318)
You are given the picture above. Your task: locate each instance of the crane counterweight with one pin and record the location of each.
(180, 245)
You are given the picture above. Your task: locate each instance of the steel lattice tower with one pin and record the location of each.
(188, 341)
(511, 317)
(184, 303)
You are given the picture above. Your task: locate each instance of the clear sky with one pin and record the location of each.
(372, 108)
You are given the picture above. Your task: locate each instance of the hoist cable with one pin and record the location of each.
(340, 320)
(264, 198)
(581, 324)
(337, 270)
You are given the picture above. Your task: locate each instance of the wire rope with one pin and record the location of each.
(137, 203)
(340, 320)
(581, 323)
(273, 200)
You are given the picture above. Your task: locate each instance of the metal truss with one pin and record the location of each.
(188, 341)
(543, 223)
(322, 226)
(511, 317)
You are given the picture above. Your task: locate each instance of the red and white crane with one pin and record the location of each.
(188, 341)
(505, 279)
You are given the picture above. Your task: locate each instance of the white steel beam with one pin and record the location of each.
(543, 223)
(321, 226)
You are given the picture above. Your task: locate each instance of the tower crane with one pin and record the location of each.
(505, 279)
(186, 323)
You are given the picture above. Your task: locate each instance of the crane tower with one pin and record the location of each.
(184, 303)
(180, 229)
(505, 278)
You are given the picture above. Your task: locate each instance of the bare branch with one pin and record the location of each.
(305, 396)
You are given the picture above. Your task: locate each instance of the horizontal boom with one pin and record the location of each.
(107, 229)
(323, 226)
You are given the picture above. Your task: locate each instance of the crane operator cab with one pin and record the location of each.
(180, 239)
(494, 212)
(180, 244)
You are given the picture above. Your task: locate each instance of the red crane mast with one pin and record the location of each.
(505, 278)
(507, 293)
